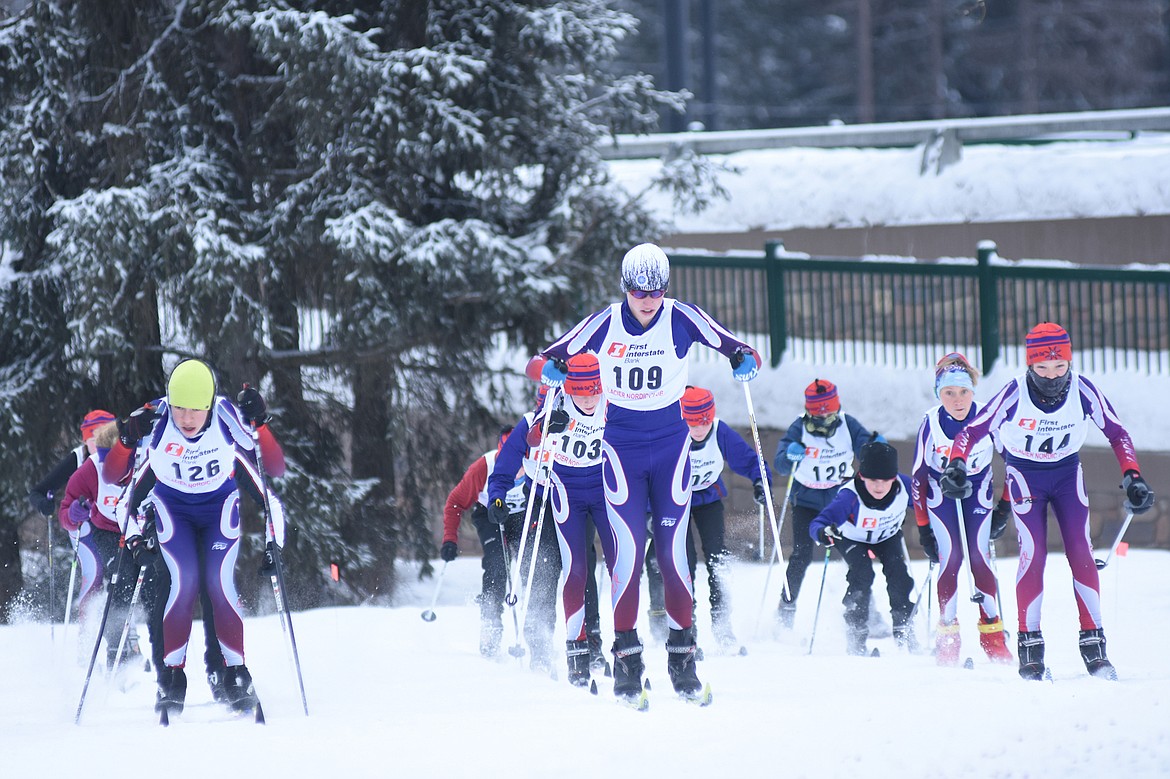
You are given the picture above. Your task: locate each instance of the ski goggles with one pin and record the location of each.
(824, 425)
(647, 293)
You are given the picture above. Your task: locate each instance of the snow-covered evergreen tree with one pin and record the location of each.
(419, 178)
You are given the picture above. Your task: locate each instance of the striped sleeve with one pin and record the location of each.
(1100, 411)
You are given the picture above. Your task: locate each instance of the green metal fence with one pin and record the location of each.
(903, 312)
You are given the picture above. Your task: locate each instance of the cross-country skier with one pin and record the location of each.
(191, 438)
(642, 344)
(938, 518)
(1041, 419)
(516, 467)
(577, 502)
(87, 512)
(715, 445)
(818, 449)
(866, 516)
(471, 493)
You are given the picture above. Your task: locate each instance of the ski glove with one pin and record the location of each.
(448, 551)
(137, 426)
(252, 406)
(745, 363)
(558, 420)
(498, 511)
(954, 482)
(268, 562)
(554, 372)
(143, 550)
(929, 542)
(828, 535)
(794, 452)
(759, 493)
(78, 514)
(999, 518)
(41, 502)
(1139, 498)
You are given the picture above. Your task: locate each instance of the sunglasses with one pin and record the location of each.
(647, 293)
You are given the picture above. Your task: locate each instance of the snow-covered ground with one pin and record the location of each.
(392, 695)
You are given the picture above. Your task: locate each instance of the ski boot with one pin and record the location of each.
(947, 644)
(1093, 653)
(680, 662)
(172, 690)
(724, 636)
(491, 632)
(786, 614)
(241, 694)
(578, 656)
(855, 641)
(597, 661)
(627, 665)
(905, 639)
(992, 640)
(216, 677)
(1031, 649)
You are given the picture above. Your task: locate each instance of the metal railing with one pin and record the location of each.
(903, 312)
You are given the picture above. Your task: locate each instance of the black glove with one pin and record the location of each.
(137, 426)
(999, 517)
(929, 542)
(498, 511)
(759, 493)
(954, 482)
(268, 561)
(448, 551)
(144, 550)
(1139, 498)
(41, 502)
(558, 420)
(828, 535)
(252, 406)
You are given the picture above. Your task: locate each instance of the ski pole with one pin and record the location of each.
(820, 594)
(774, 555)
(277, 575)
(129, 617)
(52, 576)
(918, 597)
(517, 649)
(535, 550)
(976, 595)
(100, 631)
(514, 580)
(69, 597)
(1116, 542)
(760, 554)
(995, 578)
(429, 614)
(747, 396)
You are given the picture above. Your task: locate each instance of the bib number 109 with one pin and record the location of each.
(637, 378)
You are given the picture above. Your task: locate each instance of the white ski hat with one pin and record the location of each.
(645, 267)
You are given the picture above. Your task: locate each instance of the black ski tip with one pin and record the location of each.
(164, 719)
(146, 667)
(608, 671)
(969, 663)
(699, 653)
(875, 653)
(646, 685)
(742, 651)
(260, 714)
(593, 687)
